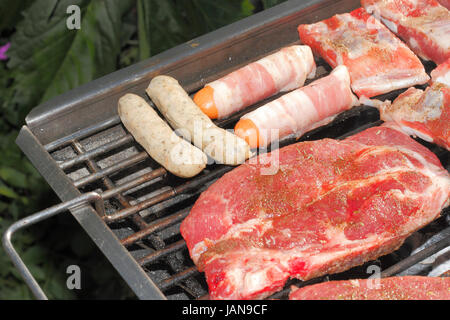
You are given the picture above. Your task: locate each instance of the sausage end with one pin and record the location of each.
(247, 130)
(204, 99)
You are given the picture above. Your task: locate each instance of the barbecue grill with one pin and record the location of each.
(129, 205)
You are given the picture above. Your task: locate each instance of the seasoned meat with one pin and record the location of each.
(377, 60)
(395, 288)
(313, 208)
(423, 24)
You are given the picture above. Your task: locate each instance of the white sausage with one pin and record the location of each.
(182, 113)
(158, 139)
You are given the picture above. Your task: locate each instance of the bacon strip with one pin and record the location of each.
(284, 70)
(377, 60)
(423, 24)
(303, 109)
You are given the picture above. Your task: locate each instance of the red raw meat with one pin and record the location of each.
(445, 3)
(425, 114)
(377, 60)
(395, 288)
(442, 73)
(331, 205)
(423, 24)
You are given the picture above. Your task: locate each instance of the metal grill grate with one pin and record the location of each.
(145, 205)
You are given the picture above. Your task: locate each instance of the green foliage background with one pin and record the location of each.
(47, 59)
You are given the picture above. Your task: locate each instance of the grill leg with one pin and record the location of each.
(35, 218)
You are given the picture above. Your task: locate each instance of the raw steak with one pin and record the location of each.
(377, 60)
(395, 288)
(331, 205)
(423, 24)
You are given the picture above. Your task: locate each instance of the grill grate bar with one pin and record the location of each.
(93, 167)
(416, 258)
(152, 257)
(155, 209)
(128, 211)
(284, 293)
(96, 152)
(177, 278)
(191, 285)
(66, 140)
(192, 184)
(156, 226)
(149, 176)
(101, 173)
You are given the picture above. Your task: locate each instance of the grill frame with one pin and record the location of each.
(71, 116)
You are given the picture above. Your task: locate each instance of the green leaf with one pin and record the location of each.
(129, 28)
(3, 206)
(13, 177)
(7, 192)
(270, 3)
(47, 58)
(165, 24)
(37, 272)
(208, 15)
(247, 8)
(15, 210)
(144, 29)
(35, 255)
(129, 56)
(56, 287)
(18, 292)
(94, 49)
(37, 49)
(25, 238)
(161, 26)
(10, 12)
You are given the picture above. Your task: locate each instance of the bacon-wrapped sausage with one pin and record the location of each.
(285, 70)
(299, 111)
